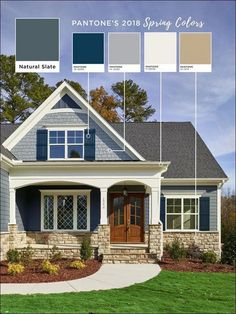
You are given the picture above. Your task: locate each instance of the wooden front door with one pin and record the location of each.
(127, 218)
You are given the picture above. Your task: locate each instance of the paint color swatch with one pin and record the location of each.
(37, 45)
(124, 52)
(195, 52)
(160, 52)
(88, 52)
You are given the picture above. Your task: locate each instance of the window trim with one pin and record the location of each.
(182, 197)
(65, 129)
(74, 193)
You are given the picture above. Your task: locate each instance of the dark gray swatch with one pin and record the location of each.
(37, 39)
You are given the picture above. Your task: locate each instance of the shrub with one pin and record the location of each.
(229, 249)
(13, 256)
(176, 250)
(85, 250)
(15, 268)
(26, 255)
(194, 251)
(50, 268)
(209, 257)
(55, 253)
(77, 264)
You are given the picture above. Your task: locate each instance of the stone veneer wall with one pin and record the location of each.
(206, 241)
(103, 239)
(155, 240)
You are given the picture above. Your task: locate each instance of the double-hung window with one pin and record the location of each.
(66, 144)
(182, 213)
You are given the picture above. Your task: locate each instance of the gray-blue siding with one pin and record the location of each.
(205, 191)
(25, 149)
(28, 206)
(4, 200)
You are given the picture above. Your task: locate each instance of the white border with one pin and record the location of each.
(74, 193)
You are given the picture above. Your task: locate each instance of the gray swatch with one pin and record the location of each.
(124, 48)
(37, 39)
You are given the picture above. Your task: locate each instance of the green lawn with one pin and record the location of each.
(170, 292)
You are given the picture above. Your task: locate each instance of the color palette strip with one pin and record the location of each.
(124, 52)
(37, 45)
(88, 52)
(160, 52)
(195, 52)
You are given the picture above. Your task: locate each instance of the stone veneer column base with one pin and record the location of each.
(103, 239)
(155, 240)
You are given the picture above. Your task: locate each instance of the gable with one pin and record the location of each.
(66, 102)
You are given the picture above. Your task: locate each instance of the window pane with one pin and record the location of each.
(48, 212)
(118, 207)
(189, 205)
(57, 151)
(174, 205)
(65, 212)
(173, 221)
(82, 212)
(75, 137)
(75, 151)
(189, 221)
(132, 220)
(57, 137)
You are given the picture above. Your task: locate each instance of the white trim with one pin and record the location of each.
(219, 215)
(58, 110)
(46, 106)
(74, 193)
(182, 197)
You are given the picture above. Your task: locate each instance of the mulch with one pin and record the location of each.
(194, 265)
(34, 273)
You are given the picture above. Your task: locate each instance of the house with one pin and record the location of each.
(67, 174)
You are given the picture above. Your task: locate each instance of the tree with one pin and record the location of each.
(76, 86)
(104, 104)
(136, 101)
(21, 93)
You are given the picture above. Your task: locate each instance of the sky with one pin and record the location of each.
(215, 90)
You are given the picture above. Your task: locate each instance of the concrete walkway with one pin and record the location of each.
(109, 276)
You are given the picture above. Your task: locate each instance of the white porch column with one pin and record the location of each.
(155, 206)
(12, 219)
(103, 206)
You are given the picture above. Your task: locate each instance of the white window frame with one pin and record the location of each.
(182, 197)
(65, 129)
(74, 193)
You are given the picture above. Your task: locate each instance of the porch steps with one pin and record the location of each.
(128, 254)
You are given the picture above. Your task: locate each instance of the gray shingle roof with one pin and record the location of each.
(177, 147)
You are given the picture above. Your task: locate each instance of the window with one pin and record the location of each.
(66, 144)
(182, 213)
(65, 210)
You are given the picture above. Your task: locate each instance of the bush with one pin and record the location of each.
(85, 250)
(77, 264)
(13, 256)
(55, 253)
(194, 251)
(176, 250)
(209, 257)
(15, 268)
(26, 255)
(229, 249)
(50, 268)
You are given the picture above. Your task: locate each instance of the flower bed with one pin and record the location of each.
(34, 272)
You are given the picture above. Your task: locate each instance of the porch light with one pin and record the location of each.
(125, 191)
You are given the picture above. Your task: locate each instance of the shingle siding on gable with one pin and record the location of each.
(206, 191)
(4, 200)
(26, 147)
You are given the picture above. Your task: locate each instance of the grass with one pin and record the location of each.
(170, 292)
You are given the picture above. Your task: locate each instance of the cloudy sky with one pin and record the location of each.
(216, 90)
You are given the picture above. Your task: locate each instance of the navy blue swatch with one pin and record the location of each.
(88, 48)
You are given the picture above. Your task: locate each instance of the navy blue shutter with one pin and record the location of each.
(163, 211)
(204, 213)
(42, 145)
(89, 144)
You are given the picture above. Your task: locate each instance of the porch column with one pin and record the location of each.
(12, 219)
(155, 206)
(103, 206)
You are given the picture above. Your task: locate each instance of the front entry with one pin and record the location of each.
(127, 218)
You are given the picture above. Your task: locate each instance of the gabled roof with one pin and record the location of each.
(177, 147)
(6, 131)
(49, 103)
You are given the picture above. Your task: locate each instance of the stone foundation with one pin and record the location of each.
(103, 239)
(206, 241)
(155, 240)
